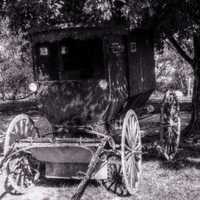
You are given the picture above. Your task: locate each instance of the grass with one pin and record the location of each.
(161, 180)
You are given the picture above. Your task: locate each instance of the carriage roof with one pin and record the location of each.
(138, 48)
(79, 31)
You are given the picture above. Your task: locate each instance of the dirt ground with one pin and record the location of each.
(161, 180)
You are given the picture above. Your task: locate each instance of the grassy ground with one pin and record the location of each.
(161, 180)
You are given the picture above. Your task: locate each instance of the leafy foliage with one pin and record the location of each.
(15, 70)
(25, 14)
(172, 70)
(178, 21)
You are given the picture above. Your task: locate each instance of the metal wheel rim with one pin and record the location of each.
(131, 156)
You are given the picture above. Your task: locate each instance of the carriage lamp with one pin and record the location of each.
(44, 51)
(103, 84)
(33, 87)
(150, 108)
(64, 50)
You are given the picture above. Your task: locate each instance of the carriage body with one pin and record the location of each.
(89, 75)
(88, 80)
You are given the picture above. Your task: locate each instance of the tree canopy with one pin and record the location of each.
(178, 21)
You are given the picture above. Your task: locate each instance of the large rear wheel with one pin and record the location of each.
(131, 151)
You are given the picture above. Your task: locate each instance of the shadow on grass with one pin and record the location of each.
(64, 183)
(185, 158)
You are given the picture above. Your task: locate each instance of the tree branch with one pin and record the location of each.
(180, 50)
(162, 13)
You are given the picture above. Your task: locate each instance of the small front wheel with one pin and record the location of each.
(115, 181)
(22, 173)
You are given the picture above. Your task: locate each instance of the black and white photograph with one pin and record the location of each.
(99, 100)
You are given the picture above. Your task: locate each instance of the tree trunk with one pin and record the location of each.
(194, 125)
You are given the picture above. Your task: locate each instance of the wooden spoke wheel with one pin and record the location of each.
(22, 173)
(170, 126)
(21, 127)
(19, 170)
(131, 151)
(115, 181)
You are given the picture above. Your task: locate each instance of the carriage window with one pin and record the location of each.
(70, 60)
(44, 51)
(82, 59)
(47, 63)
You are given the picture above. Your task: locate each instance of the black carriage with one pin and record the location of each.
(88, 82)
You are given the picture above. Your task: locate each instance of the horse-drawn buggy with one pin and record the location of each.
(89, 84)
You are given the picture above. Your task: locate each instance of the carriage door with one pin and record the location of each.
(141, 64)
(135, 74)
(116, 62)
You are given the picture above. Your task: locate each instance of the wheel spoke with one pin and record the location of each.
(129, 165)
(18, 178)
(119, 168)
(137, 166)
(16, 129)
(111, 184)
(137, 135)
(120, 191)
(131, 175)
(127, 148)
(26, 128)
(22, 180)
(21, 125)
(135, 173)
(138, 146)
(128, 138)
(132, 129)
(31, 130)
(115, 187)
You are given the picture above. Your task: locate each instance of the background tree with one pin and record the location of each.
(172, 70)
(184, 35)
(15, 61)
(177, 21)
